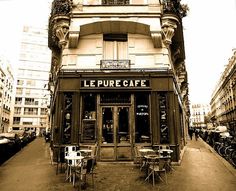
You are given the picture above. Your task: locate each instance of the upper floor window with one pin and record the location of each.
(115, 46)
(115, 2)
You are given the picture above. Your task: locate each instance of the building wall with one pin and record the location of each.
(86, 39)
(32, 97)
(6, 94)
(223, 97)
(198, 114)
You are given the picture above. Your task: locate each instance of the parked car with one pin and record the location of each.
(14, 144)
(3, 149)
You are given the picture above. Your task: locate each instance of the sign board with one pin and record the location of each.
(115, 83)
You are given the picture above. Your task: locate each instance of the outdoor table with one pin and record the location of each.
(143, 152)
(73, 163)
(151, 160)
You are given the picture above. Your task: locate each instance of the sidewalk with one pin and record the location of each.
(201, 170)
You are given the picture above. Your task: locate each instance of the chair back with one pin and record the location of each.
(164, 147)
(94, 149)
(136, 152)
(70, 148)
(161, 164)
(90, 165)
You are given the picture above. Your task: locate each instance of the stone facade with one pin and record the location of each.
(118, 58)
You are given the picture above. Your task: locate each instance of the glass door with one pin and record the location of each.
(115, 133)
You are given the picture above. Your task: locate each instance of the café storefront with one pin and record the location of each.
(117, 111)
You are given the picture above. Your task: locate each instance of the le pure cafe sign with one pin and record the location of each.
(115, 83)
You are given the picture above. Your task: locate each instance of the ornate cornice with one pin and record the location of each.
(61, 7)
(174, 7)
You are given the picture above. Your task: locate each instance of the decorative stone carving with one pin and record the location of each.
(73, 39)
(180, 67)
(61, 33)
(59, 24)
(156, 38)
(175, 53)
(168, 31)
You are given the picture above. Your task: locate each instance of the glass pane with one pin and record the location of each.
(107, 125)
(89, 107)
(123, 124)
(142, 129)
(115, 98)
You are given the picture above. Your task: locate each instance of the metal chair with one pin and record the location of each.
(155, 167)
(74, 161)
(89, 169)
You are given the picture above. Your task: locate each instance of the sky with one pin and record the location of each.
(13, 14)
(209, 34)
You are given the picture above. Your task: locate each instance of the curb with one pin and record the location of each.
(224, 161)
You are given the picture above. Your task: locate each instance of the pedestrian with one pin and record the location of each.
(196, 134)
(190, 132)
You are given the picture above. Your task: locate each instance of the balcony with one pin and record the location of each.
(115, 64)
(115, 2)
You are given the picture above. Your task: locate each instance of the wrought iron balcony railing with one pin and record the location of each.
(115, 64)
(115, 2)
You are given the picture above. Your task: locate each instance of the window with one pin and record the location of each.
(142, 124)
(30, 111)
(43, 111)
(19, 90)
(89, 106)
(68, 101)
(20, 82)
(89, 118)
(164, 128)
(16, 120)
(115, 98)
(18, 100)
(17, 110)
(115, 46)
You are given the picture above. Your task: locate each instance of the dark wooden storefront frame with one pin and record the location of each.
(159, 82)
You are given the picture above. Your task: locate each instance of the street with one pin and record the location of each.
(201, 170)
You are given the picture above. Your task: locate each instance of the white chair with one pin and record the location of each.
(74, 161)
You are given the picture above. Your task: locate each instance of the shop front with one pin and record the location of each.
(117, 113)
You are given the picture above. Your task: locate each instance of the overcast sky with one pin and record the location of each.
(209, 33)
(210, 36)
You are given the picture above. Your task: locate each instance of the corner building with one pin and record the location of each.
(118, 76)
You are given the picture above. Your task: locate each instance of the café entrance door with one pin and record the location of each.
(115, 133)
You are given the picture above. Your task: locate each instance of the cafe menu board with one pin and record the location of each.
(164, 129)
(89, 130)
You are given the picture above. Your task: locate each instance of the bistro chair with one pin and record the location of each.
(156, 167)
(70, 149)
(89, 170)
(60, 159)
(138, 158)
(74, 166)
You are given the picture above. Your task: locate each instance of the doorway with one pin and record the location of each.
(115, 133)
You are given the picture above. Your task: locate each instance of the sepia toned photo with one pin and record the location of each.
(117, 95)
